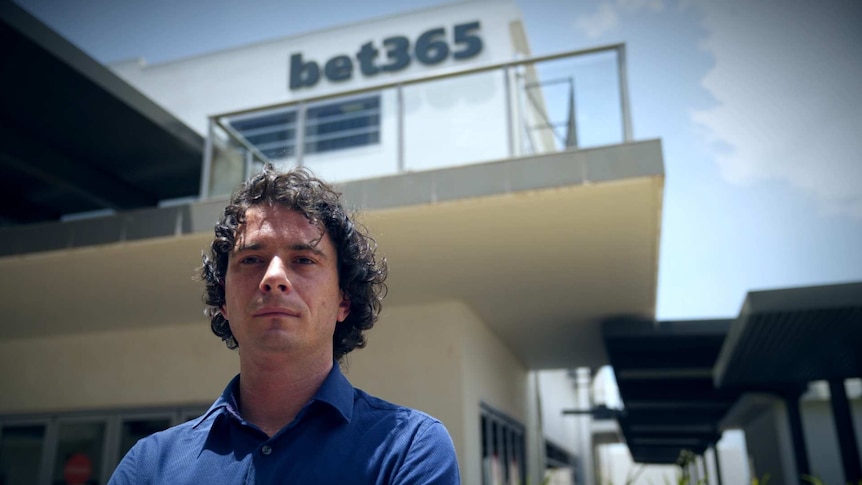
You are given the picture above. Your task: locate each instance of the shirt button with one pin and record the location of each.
(266, 449)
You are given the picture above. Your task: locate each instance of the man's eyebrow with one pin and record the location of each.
(247, 247)
(312, 247)
(255, 246)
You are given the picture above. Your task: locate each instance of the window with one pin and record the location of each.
(273, 133)
(503, 449)
(79, 453)
(327, 126)
(76, 447)
(21, 453)
(340, 125)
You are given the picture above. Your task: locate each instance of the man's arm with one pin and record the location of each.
(430, 460)
(126, 471)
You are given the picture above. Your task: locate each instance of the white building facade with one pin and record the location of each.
(505, 191)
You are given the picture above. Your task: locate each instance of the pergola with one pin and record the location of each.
(784, 339)
(679, 380)
(664, 374)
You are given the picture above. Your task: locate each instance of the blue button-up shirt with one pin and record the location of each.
(342, 436)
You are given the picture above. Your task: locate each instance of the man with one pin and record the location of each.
(292, 284)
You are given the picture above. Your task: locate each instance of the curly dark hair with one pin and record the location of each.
(360, 276)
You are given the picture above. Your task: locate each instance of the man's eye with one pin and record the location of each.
(250, 260)
(303, 260)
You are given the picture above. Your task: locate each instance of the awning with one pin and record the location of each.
(794, 336)
(664, 374)
(75, 138)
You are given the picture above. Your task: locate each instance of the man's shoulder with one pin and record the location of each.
(376, 404)
(193, 430)
(418, 442)
(372, 410)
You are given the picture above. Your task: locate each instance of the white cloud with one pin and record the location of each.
(603, 20)
(606, 18)
(789, 107)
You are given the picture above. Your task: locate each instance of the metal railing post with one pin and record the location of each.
(249, 161)
(624, 93)
(300, 133)
(204, 191)
(399, 94)
(510, 131)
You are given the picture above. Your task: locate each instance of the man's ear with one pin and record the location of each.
(223, 310)
(343, 308)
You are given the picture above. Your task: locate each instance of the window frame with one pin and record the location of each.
(113, 420)
(301, 138)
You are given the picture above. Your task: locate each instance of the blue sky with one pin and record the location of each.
(757, 103)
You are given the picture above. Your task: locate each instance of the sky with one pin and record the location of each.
(757, 104)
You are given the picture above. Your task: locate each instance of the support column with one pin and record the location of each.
(704, 468)
(695, 476)
(717, 463)
(794, 419)
(583, 379)
(845, 431)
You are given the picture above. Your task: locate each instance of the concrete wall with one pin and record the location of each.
(767, 439)
(733, 459)
(824, 455)
(769, 445)
(494, 376)
(617, 468)
(162, 365)
(558, 393)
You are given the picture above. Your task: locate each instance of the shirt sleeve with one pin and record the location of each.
(430, 459)
(126, 471)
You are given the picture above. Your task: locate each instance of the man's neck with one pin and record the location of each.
(272, 393)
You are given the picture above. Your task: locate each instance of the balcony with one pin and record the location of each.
(542, 105)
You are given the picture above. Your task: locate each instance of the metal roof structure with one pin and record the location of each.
(680, 381)
(793, 336)
(76, 138)
(784, 339)
(664, 374)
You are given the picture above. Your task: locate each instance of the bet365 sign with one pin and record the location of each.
(431, 47)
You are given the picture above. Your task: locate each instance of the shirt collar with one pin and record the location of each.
(225, 403)
(336, 391)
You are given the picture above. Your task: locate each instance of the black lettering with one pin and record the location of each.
(303, 74)
(398, 52)
(465, 35)
(339, 68)
(431, 48)
(366, 56)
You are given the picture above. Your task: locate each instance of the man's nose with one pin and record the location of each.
(275, 278)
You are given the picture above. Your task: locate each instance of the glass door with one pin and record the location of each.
(21, 453)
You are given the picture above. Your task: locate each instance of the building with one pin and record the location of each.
(506, 191)
(515, 209)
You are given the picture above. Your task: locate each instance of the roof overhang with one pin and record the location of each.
(790, 337)
(76, 138)
(541, 248)
(664, 374)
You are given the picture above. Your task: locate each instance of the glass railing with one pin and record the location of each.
(527, 107)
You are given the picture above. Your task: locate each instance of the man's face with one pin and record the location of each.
(281, 288)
